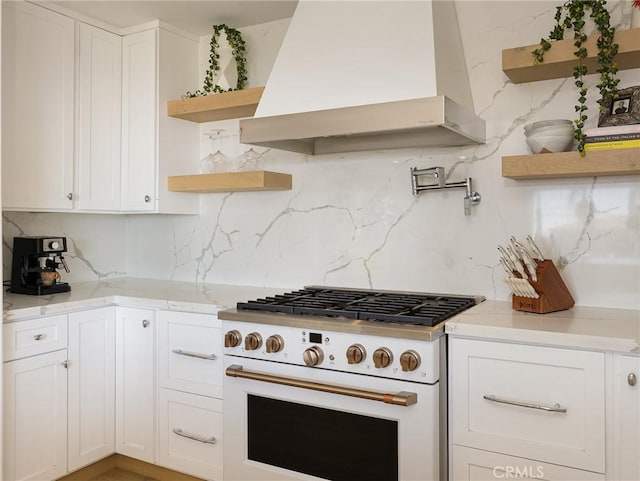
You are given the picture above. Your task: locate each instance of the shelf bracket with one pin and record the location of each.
(471, 197)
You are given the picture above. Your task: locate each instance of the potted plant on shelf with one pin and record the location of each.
(214, 76)
(571, 15)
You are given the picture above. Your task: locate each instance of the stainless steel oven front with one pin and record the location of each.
(298, 407)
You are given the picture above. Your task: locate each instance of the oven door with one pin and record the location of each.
(285, 422)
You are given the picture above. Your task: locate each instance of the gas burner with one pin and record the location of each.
(380, 306)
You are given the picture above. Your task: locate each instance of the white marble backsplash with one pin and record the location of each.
(351, 219)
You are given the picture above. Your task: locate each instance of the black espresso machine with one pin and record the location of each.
(35, 265)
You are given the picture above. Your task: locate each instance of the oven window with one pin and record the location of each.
(322, 442)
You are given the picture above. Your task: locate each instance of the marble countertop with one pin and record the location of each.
(133, 292)
(595, 328)
(580, 327)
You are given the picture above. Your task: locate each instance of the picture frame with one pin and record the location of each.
(625, 110)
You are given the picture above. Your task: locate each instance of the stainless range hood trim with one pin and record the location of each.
(423, 122)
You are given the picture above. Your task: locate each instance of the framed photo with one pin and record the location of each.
(625, 110)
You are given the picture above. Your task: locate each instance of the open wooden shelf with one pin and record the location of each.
(230, 182)
(227, 105)
(517, 63)
(570, 164)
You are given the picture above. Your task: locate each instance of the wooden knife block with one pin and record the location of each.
(554, 295)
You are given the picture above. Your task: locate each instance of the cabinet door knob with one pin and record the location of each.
(70, 196)
(145, 323)
(632, 379)
(65, 364)
(147, 198)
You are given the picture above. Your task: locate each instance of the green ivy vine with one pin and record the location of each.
(239, 49)
(571, 15)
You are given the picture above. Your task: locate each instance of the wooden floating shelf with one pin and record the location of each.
(559, 60)
(571, 164)
(227, 105)
(230, 182)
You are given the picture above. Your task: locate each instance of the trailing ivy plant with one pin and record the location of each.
(238, 50)
(571, 15)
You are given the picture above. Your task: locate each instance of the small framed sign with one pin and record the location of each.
(625, 110)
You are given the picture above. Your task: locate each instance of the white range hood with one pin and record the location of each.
(367, 75)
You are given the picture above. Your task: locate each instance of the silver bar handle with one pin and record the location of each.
(402, 398)
(555, 408)
(39, 337)
(195, 437)
(209, 357)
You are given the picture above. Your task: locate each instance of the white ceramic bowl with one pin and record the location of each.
(550, 136)
(549, 142)
(546, 123)
(551, 129)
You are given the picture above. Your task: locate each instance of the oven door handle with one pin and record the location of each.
(402, 398)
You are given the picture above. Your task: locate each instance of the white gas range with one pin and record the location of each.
(338, 384)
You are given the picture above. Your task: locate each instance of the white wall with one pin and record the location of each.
(351, 220)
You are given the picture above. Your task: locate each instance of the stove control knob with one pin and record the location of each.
(274, 343)
(382, 357)
(313, 356)
(409, 360)
(356, 353)
(55, 245)
(253, 341)
(232, 338)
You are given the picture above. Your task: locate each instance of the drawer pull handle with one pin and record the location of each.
(208, 357)
(39, 337)
(556, 408)
(195, 437)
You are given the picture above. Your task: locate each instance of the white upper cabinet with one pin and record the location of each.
(158, 65)
(99, 116)
(138, 120)
(84, 125)
(37, 108)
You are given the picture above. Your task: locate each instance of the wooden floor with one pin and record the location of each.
(122, 468)
(118, 474)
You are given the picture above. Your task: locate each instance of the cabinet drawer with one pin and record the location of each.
(190, 435)
(190, 353)
(36, 336)
(535, 402)
(473, 464)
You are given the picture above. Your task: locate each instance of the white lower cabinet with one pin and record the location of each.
(190, 393)
(190, 353)
(477, 465)
(91, 371)
(80, 386)
(626, 413)
(58, 393)
(135, 383)
(533, 403)
(35, 418)
(190, 434)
